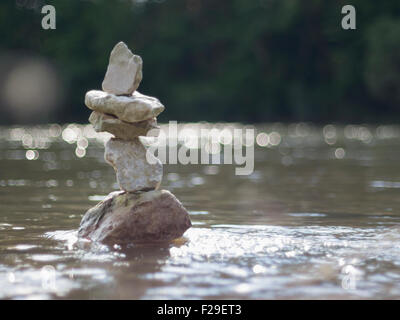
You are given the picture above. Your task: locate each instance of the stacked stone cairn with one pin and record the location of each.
(139, 212)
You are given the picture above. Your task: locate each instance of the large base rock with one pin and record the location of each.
(124, 218)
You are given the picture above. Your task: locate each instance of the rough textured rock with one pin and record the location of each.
(137, 107)
(124, 71)
(121, 129)
(140, 212)
(134, 172)
(124, 218)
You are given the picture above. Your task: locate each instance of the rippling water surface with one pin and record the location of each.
(319, 218)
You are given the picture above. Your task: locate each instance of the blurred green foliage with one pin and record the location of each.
(226, 60)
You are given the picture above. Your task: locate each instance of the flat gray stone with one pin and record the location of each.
(120, 129)
(124, 218)
(135, 108)
(124, 71)
(130, 160)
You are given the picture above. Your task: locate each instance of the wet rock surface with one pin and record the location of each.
(135, 217)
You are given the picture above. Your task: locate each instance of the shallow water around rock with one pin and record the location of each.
(318, 218)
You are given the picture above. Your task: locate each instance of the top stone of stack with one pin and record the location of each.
(124, 71)
(119, 97)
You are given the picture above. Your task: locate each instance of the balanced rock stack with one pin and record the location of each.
(139, 212)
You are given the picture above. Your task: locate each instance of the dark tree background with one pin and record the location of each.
(223, 60)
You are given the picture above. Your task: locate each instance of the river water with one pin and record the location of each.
(319, 218)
